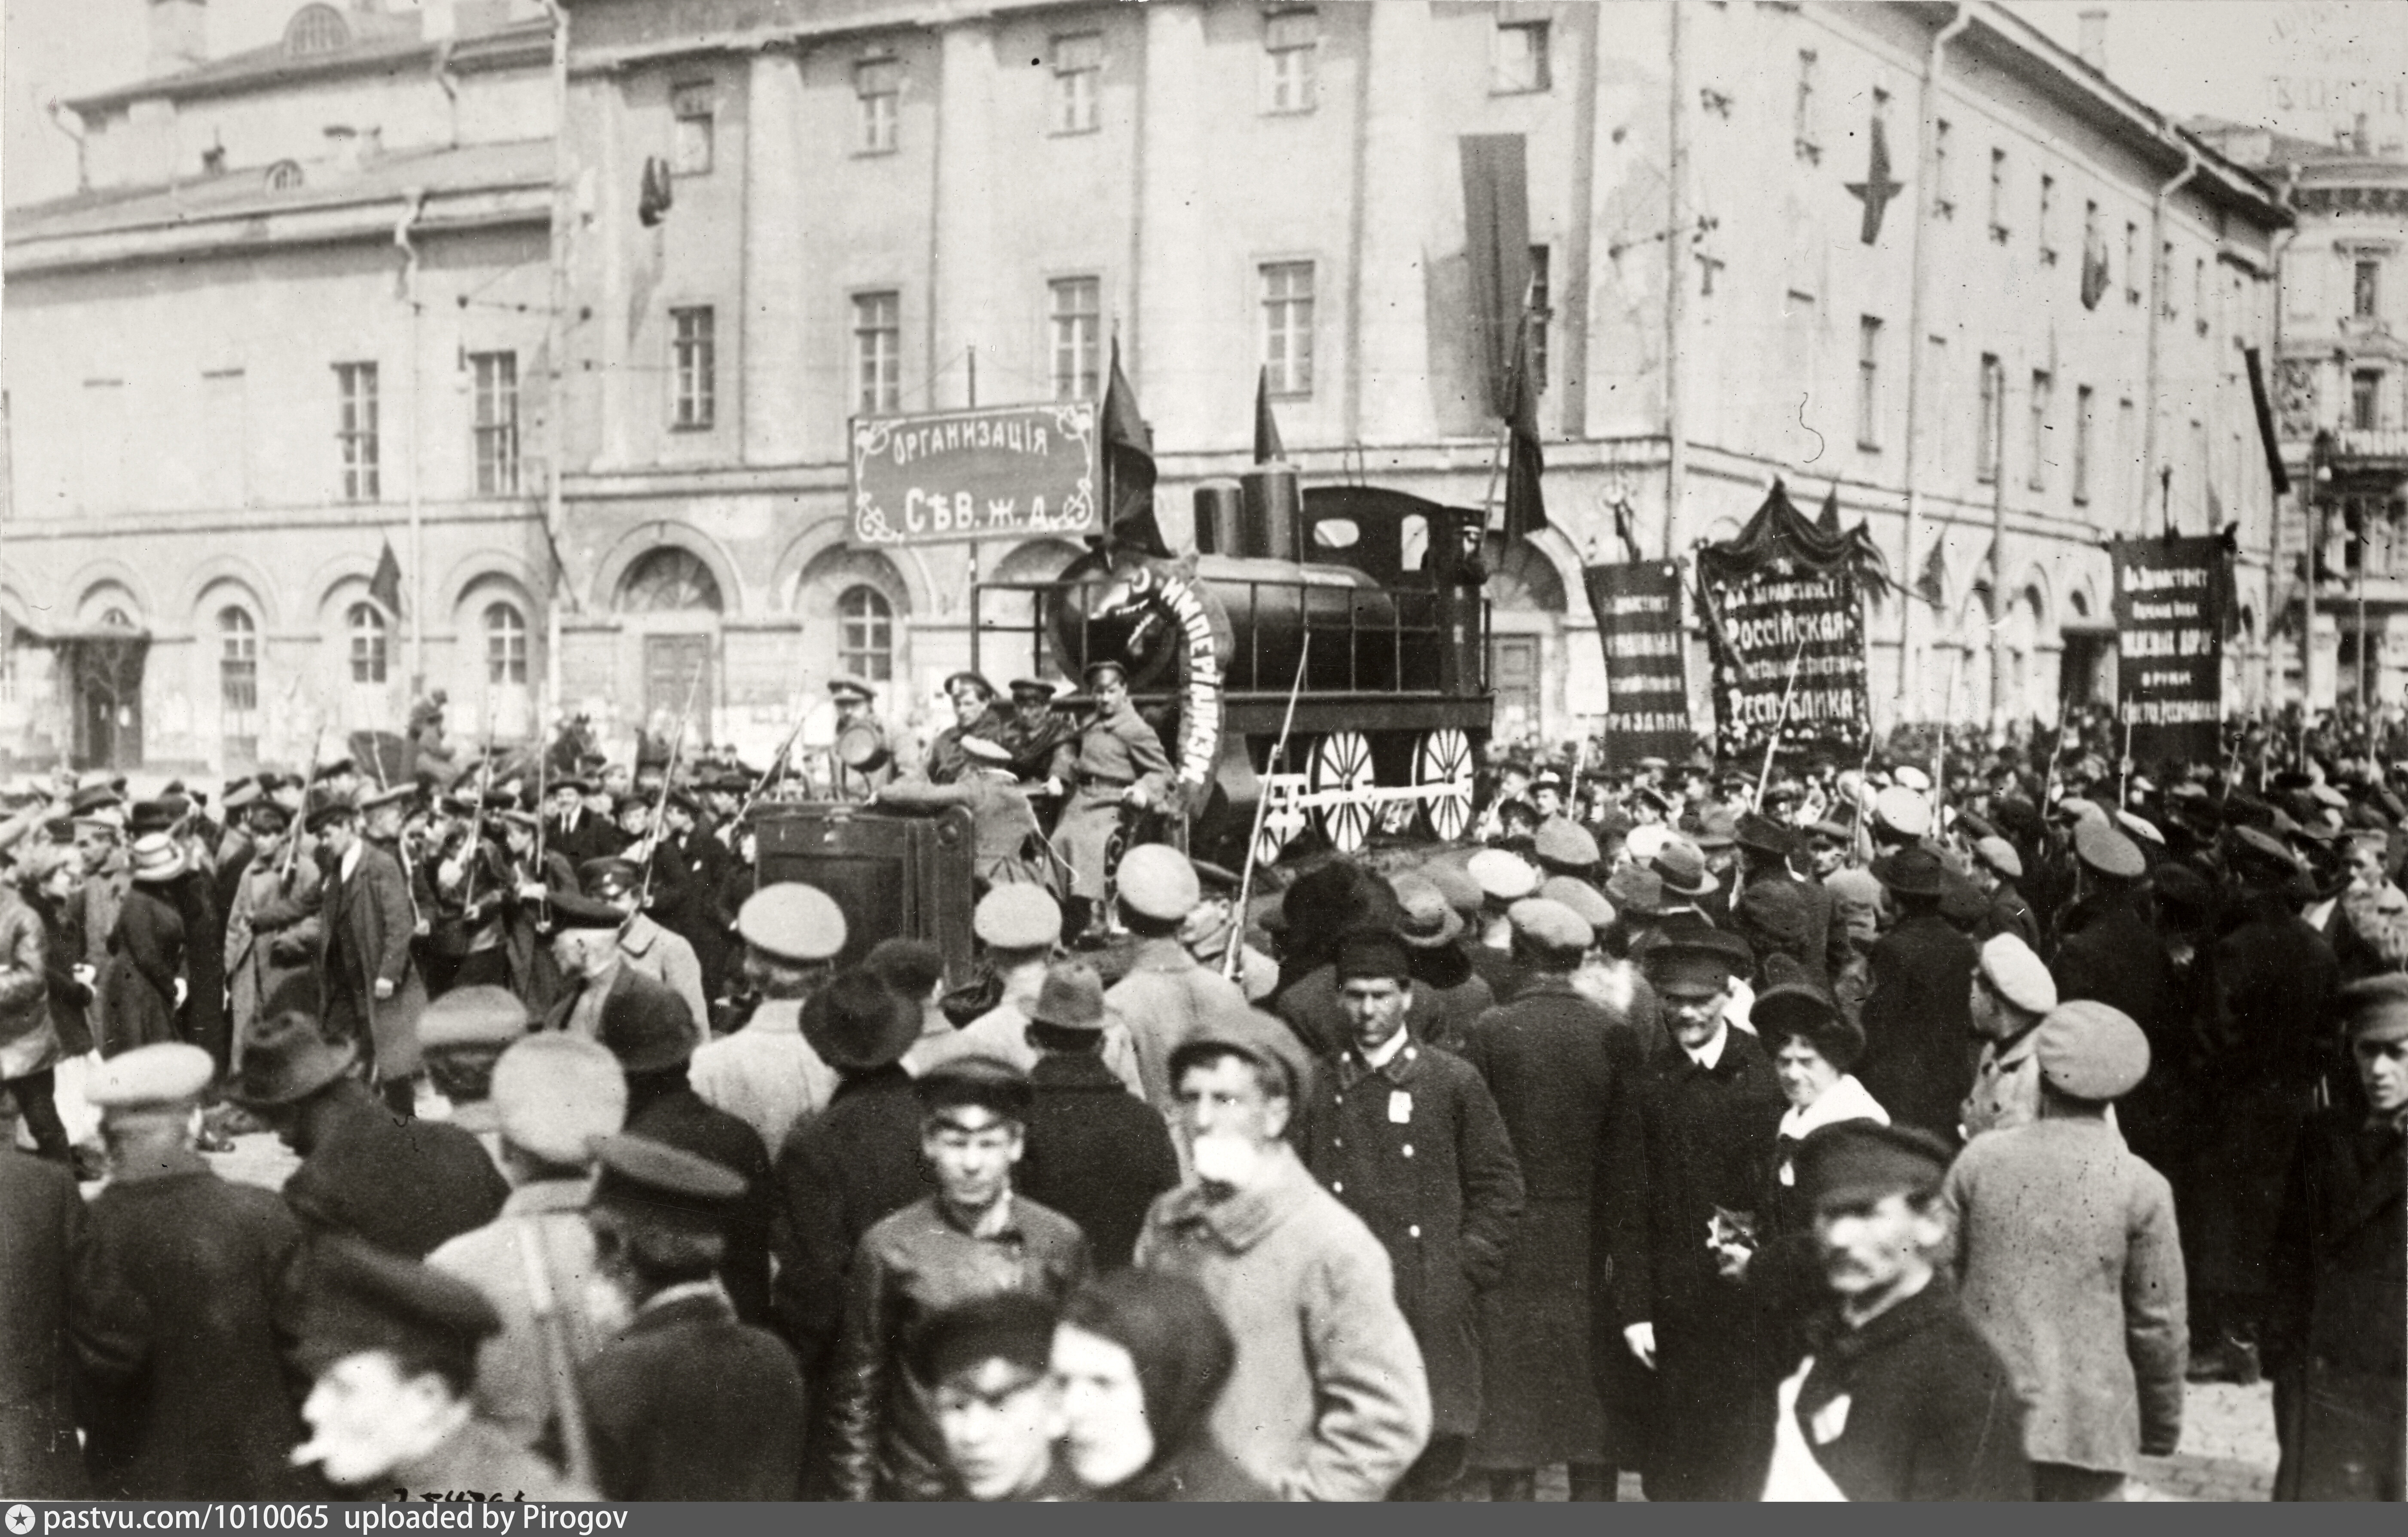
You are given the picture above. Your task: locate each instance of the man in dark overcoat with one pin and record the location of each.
(2113, 955)
(44, 1218)
(1768, 852)
(1559, 1067)
(1408, 1137)
(2336, 1331)
(186, 1305)
(369, 986)
(1694, 1146)
(1919, 1060)
(2270, 986)
(1094, 1152)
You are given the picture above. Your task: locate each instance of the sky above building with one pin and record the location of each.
(2306, 66)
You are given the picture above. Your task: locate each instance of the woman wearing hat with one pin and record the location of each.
(143, 985)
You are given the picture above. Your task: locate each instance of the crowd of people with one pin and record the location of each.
(1833, 1135)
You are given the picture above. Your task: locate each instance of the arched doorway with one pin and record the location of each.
(1526, 602)
(674, 601)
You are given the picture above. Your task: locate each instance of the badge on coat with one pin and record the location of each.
(1830, 1421)
(1401, 1107)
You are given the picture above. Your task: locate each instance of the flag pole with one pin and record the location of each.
(1772, 743)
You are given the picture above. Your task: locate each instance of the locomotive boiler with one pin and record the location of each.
(1393, 706)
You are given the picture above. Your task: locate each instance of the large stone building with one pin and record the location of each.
(1914, 255)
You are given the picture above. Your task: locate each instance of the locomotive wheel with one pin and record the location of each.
(1442, 765)
(1341, 768)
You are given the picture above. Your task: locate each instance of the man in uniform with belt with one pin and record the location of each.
(1120, 761)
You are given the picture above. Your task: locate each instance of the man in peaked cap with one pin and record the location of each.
(1915, 1062)
(651, 948)
(1042, 744)
(1216, 926)
(1696, 1137)
(599, 988)
(1120, 761)
(553, 1096)
(766, 1073)
(2068, 1259)
(393, 1345)
(1908, 1401)
(2013, 992)
(689, 1404)
(2112, 953)
(977, 713)
(973, 1236)
(1098, 1154)
(1166, 992)
(1996, 868)
(1328, 1399)
(187, 1293)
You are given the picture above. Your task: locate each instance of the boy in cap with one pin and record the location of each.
(1408, 1138)
(1906, 1401)
(2011, 993)
(187, 1296)
(1694, 1143)
(2068, 1259)
(972, 1238)
(1097, 1153)
(1166, 992)
(393, 1345)
(688, 1403)
(997, 1407)
(766, 1073)
(2336, 1344)
(553, 1097)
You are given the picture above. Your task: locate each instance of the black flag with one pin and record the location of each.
(1268, 447)
(1129, 469)
(1526, 505)
(385, 586)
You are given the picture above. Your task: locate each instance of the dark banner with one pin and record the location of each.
(1637, 609)
(1780, 621)
(2169, 645)
(1496, 248)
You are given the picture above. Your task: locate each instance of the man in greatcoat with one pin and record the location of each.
(1694, 1148)
(44, 1218)
(2336, 1330)
(2113, 955)
(272, 933)
(369, 986)
(1919, 1051)
(1559, 1067)
(187, 1304)
(1768, 852)
(1121, 762)
(647, 945)
(1408, 1137)
(1096, 1153)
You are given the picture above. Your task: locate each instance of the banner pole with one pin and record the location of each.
(1764, 779)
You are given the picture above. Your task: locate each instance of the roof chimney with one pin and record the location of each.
(2094, 39)
(178, 35)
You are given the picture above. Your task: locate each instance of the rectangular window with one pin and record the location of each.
(1521, 63)
(1543, 312)
(494, 378)
(1075, 313)
(1944, 199)
(2083, 405)
(878, 83)
(355, 430)
(1868, 331)
(2048, 220)
(2366, 399)
(1291, 61)
(693, 368)
(1999, 196)
(2131, 263)
(1809, 146)
(2366, 288)
(878, 351)
(694, 109)
(1986, 441)
(1287, 327)
(2042, 387)
(237, 662)
(1078, 70)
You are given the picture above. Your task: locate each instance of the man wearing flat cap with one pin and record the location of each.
(1694, 1142)
(765, 1072)
(2011, 993)
(1997, 868)
(1559, 1066)
(599, 986)
(2336, 1333)
(1166, 993)
(393, 1345)
(187, 1299)
(1328, 1399)
(2112, 953)
(973, 1237)
(1120, 762)
(1899, 1395)
(688, 1403)
(1916, 1060)
(1407, 1136)
(2068, 1259)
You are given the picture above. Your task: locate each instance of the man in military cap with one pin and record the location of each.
(988, 1364)
(369, 986)
(1767, 853)
(1907, 1400)
(766, 1074)
(976, 714)
(553, 1096)
(853, 700)
(2067, 1258)
(2110, 952)
(1044, 745)
(1214, 926)
(1997, 868)
(688, 1403)
(2013, 992)
(1120, 762)
(972, 1237)
(187, 1298)
(393, 1345)
(272, 930)
(1096, 1152)
(600, 987)
(1166, 992)
(649, 948)
(399, 1185)
(1915, 1062)
(1408, 1138)
(1693, 1145)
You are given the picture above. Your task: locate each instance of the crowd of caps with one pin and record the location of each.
(1868, 1141)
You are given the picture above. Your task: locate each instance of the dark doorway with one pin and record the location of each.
(107, 672)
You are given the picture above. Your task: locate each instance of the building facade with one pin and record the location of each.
(1913, 256)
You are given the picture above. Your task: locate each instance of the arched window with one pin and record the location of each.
(316, 29)
(285, 176)
(506, 644)
(866, 631)
(237, 661)
(669, 581)
(366, 622)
